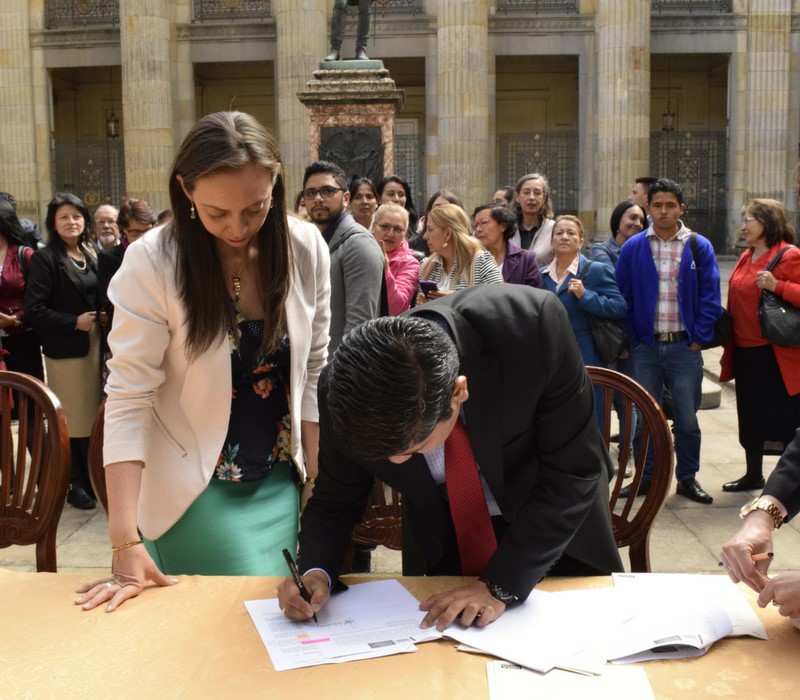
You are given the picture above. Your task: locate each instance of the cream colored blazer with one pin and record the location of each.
(172, 414)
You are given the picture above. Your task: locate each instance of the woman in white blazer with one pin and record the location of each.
(220, 334)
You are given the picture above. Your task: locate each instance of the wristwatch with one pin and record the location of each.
(500, 593)
(767, 506)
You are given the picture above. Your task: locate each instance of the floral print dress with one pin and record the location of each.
(259, 430)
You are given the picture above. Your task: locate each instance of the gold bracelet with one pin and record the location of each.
(126, 545)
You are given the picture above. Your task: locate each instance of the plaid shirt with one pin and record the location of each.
(667, 258)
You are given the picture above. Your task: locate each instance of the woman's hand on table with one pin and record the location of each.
(783, 591)
(470, 603)
(292, 603)
(132, 568)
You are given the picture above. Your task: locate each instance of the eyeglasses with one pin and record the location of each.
(482, 223)
(748, 219)
(385, 228)
(326, 192)
(138, 231)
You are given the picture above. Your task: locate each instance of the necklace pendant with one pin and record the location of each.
(237, 287)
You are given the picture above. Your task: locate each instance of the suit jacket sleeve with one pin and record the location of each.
(39, 296)
(556, 498)
(784, 482)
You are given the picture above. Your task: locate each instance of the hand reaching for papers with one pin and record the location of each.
(754, 537)
(292, 603)
(469, 602)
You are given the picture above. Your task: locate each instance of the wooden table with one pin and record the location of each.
(196, 640)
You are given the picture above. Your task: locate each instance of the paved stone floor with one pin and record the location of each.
(686, 536)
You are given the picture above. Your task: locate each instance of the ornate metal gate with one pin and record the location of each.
(553, 155)
(409, 163)
(95, 171)
(699, 163)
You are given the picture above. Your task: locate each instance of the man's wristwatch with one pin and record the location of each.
(500, 593)
(767, 506)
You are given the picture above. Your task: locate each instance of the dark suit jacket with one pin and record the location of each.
(54, 298)
(784, 482)
(520, 267)
(531, 420)
(108, 262)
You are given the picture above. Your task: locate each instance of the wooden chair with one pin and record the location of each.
(34, 466)
(632, 518)
(97, 473)
(382, 521)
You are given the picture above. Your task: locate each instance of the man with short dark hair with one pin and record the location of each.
(639, 194)
(356, 257)
(673, 298)
(498, 459)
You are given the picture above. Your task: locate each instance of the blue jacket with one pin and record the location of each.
(601, 298)
(698, 289)
(606, 252)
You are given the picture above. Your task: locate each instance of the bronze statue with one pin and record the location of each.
(337, 28)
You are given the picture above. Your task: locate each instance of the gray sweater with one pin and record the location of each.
(356, 277)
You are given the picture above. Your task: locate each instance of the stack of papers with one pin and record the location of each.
(643, 617)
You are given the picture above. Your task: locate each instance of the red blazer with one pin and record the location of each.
(787, 272)
(12, 285)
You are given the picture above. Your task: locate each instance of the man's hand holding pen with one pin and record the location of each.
(291, 601)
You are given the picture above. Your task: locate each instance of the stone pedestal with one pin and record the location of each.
(352, 105)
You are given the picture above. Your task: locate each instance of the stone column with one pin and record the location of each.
(18, 114)
(767, 141)
(145, 40)
(184, 88)
(302, 30)
(623, 101)
(463, 104)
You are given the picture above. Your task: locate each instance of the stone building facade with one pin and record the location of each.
(95, 96)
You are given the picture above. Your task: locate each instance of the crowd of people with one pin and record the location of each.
(259, 362)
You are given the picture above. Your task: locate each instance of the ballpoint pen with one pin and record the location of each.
(298, 581)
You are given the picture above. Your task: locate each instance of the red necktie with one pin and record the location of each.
(473, 525)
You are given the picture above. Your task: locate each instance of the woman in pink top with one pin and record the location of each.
(401, 267)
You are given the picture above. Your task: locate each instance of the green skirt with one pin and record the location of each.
(234, 529)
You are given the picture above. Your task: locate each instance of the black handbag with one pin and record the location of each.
(723, 327)
(609, 335)
(780, 320)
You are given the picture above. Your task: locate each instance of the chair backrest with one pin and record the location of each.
(382, 520)
(632, 518)
(97, 472)
(34, 466)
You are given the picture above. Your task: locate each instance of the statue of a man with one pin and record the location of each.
(337, 28)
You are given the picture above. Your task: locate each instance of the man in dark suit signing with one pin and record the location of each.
(478, 409)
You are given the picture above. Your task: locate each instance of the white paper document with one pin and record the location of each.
(549, 629)
(511, 682)
(705, 589)
(372, 619)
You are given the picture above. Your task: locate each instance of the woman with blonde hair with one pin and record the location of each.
(457, 259)
(401, 267)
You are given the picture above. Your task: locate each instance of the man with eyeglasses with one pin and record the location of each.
(106, 230)
(356, 259)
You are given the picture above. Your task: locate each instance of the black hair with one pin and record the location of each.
(619, 212)
(356, 182)
(10, 227)
(325, 167)
(412, 212)
(54, 241)
(390, 382)
(502, 215)
(665, 185)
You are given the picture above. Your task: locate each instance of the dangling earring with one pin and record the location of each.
(444, 245)
(192, 212)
